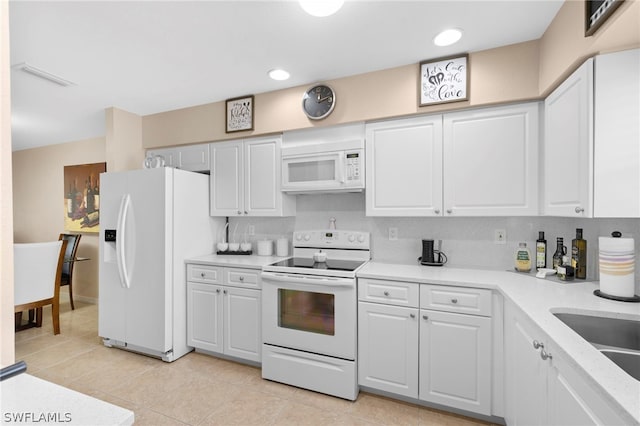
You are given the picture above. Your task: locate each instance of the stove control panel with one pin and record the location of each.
(332, 238)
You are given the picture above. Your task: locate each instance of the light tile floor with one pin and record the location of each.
(196, 389)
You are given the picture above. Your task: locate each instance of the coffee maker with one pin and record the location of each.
(432, 256)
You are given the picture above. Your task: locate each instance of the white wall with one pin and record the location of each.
(468, 242)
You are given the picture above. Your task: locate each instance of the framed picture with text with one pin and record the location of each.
(597, 12)
(444, 80)
(239, 114)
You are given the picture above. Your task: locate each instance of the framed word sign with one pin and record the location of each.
(239, 114)
(596, 12)
(444, 80)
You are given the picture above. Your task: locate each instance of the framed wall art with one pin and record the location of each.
(597, 12)
(239, 114)
(444, 80)
(82, 197)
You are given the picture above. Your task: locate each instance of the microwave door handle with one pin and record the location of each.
(294, 279)
(341, 166)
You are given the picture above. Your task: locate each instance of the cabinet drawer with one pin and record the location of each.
(249, 278)
(204, 274)
(388, 292)
(472, 301)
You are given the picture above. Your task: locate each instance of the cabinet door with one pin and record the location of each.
(194, 158)
(242, 322)
(568, 146)
(388, 348)
(262, 177)
(404, 167)
(170, 155)
(455, 360)
(204, 317)
(526, 373)
(491, 161)
(226, 178)
(617, 135)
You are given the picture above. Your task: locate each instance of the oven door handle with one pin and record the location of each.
(308, 280)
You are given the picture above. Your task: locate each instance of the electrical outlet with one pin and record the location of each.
(393, 234)
(500, 236)
(252, 230)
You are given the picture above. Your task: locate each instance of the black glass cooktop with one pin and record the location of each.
(330, 264)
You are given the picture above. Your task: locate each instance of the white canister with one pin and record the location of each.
(265, 248)
(282, 247)
(616, 260)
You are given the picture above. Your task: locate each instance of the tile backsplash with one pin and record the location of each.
(468, 242)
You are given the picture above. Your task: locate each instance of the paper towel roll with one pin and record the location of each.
(616, 259)
(282, 247)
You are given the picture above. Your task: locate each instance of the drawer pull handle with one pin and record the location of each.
(412, 315)
(537, 345)
(544, 355)
(202, 274)
(425, 317)
(386, 293)
(454, 300)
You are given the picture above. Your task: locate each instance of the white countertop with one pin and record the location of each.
(235, 260)
(538, 299)
(36, 401)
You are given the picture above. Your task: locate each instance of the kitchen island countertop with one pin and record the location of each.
(539, 299)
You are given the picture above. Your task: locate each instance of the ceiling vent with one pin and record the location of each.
(43, 74)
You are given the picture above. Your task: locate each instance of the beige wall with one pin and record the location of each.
(7, 355)
(563, 47)
(38, 184)
(500, 75)
(123, 139)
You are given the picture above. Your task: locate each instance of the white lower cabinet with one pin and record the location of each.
(542, 388)
(224, 311)
(429, 354)
(455, 360)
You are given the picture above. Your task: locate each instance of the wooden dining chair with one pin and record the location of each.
(37, 268)
(73, 241)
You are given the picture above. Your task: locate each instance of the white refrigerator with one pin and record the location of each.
(151, 220)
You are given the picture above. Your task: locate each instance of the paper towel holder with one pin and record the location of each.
(633, 299)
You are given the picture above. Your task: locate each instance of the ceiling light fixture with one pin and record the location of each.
(447, 37)
(321, 8)
(278, 74)
(43, 74)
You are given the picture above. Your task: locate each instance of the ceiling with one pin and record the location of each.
(152, 56)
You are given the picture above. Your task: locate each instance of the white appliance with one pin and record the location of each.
(323, 167)
(309, 312)
(151, 221)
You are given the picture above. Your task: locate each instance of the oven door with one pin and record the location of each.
(310, 313)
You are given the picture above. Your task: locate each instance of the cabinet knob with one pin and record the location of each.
(412, 315)
(239, 212)
(454, 300)
(245, 212)
(386, 293)
(241, 278)
(437, 211)
(425, 317)
(449, 211)
(544, 355)
(225, 291)
(579, 209)
(202, 274)
(217, 290)
(537, 345)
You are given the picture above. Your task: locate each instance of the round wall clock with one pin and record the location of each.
(318, 101)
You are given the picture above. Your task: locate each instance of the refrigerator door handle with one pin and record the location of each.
(121, 258)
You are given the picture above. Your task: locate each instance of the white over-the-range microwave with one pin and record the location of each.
(323, 167)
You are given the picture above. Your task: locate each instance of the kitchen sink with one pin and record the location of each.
(617, 339)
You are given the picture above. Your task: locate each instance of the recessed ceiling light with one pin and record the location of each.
(321, 8)
(278, 74)
(447, 37)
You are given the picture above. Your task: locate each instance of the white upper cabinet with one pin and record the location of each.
(491, 161)
(194, 158)
(404, 167)
(617, 135)
(568, 146)
(245, 179)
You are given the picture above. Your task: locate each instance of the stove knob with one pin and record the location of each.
(298, 236)
(361, 238)
(352, 238)
(307, 237)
